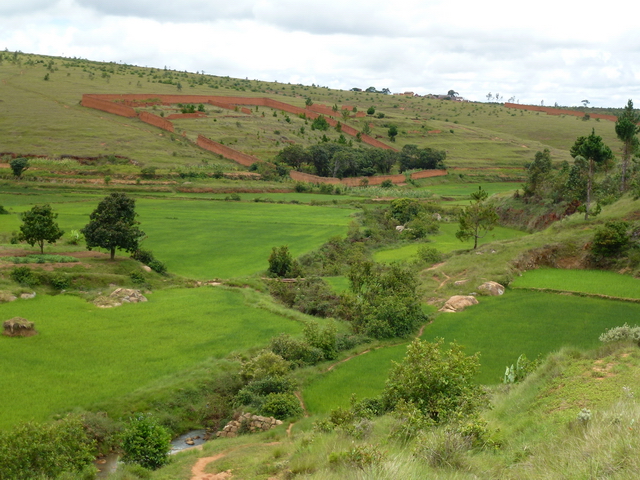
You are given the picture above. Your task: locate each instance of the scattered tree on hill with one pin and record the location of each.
(537, 173)
(477, 219)
(438, 382)
(393, 132)
(18, 166)
(320, 123)
(39, 226)
(597, 155)
(610, 240)
(345, 115)
(627, 131)
(452, 93)
(113, 225)
(371, 110)
(308, 102)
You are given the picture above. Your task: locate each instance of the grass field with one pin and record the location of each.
(85, 355)
(500, 328)
(445, 241)
(597, 282)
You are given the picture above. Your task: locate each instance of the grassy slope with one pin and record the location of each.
(44, 117)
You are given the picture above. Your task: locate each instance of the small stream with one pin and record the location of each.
(108, 465)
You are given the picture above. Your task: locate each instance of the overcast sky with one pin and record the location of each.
(560, 51)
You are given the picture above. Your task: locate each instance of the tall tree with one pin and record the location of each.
(39, 226)
(627, 131)
(537, 172)
(477, 219)
(113, 225)
(597, 154)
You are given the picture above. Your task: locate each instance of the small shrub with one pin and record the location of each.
(386, 184)
(19, 165)
(359, 456)
(281, 406)
(24, 276)
(145, 442)
(158, 266)
(59, 281)
(429, 254)
(137, 278)
(617, 334)
(3, 211)
(75, 237)
(234, 197)
(442, 448)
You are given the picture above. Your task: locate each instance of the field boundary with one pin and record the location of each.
(559, 111)
(578, 294)
(123, 105)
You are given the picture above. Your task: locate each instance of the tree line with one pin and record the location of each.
(337, 160)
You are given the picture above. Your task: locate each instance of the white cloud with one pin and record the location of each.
(554, 50)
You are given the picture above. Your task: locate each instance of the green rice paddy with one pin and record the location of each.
(596, 282)
(84, 355)
(500, 328)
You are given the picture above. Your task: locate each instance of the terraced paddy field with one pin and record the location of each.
(445, 241)
(500, 328)
(203, 239)
(595, 282)
(85, 355)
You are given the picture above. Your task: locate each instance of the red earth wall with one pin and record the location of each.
(230, 153)
(91, 101)
(428, 173)
(156, 121)
(557, 111)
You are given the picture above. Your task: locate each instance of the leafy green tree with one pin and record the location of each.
(371, 110)
(145, 442)
(437, 381)
(384, 302)
(477, 219)
(597, 154)
(537, 173)
(452, 93)
(308, 102)
(345, 115)
(39, 226)
(627, 131)
(18, 166)
(392, 133)
(113, 225)
(412, 157)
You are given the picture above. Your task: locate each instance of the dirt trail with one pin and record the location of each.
(304, 407)
(198, 473)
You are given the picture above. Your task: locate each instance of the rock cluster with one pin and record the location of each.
(248, 423)
(120, 296)
(491, 288)
(457, 303)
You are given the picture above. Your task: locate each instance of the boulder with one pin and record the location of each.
(457, 303)
(120, 296)
(491, 288)
(18, 327)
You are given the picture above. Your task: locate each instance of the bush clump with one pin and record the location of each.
(145, 442)
(47, 450)
(24, 276)
(623, 333)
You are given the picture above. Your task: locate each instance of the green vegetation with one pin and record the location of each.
(319, 319)
(39, 226)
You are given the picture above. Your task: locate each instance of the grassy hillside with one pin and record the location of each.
(43, 116)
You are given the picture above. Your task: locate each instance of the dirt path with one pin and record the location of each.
(198, 473)
(304, 407)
